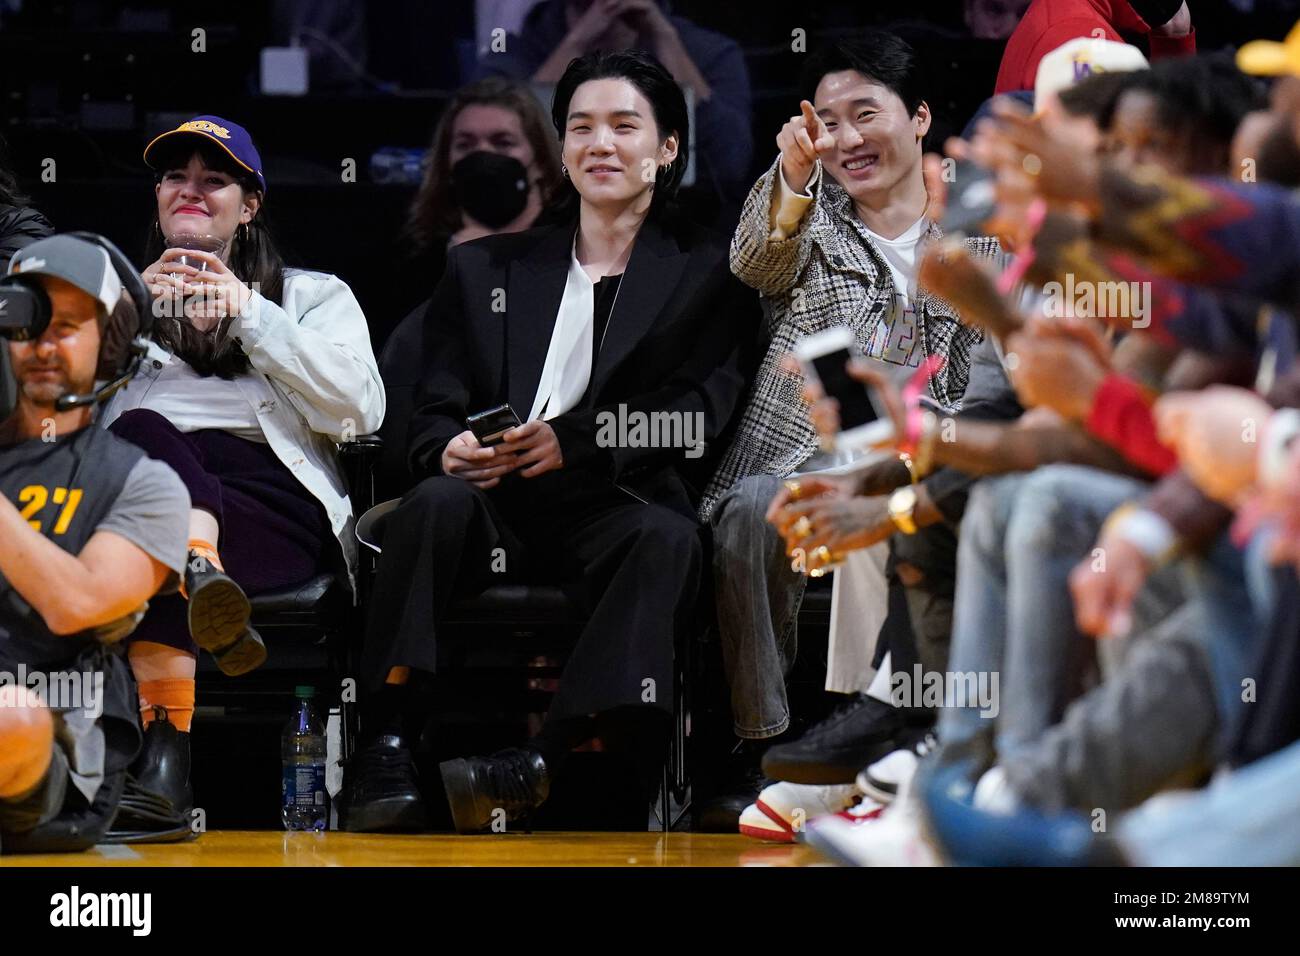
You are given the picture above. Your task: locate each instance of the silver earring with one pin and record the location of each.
(564, 171)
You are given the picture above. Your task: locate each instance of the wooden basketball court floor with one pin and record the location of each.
(246, 848)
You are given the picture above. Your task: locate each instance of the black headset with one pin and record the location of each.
(25, 313)
(132, 281)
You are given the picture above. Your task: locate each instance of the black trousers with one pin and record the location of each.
(931, 552)
(632, 567)
(273, 532)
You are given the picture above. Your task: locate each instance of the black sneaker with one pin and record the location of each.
(380, 793)
(857, 734)
(883, 780)
(490, 791)
(218, 617)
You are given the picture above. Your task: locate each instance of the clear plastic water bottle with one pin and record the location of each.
(305, 801)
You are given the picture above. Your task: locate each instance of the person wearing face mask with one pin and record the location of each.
(256, 372)
(492, 168)
(619, 313)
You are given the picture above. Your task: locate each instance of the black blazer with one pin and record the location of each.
(682, 338)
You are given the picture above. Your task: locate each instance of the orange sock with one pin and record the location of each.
(174, 694)
(203, 549)
(206, 549)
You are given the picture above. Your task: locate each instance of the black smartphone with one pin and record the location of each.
(490, 426)
(824, 356)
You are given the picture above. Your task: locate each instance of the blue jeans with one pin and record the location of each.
(1021, 536)
(1162, 717)
(1247, 818)
(1233, 595)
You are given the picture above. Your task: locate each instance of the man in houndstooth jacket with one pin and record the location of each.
(829, 236)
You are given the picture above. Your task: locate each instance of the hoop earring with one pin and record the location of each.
(243, 232)
(564, 171)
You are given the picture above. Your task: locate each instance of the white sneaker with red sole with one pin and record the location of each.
(782, 809)
(895, 838)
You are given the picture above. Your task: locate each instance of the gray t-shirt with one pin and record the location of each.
(69, 490)
(152, 511)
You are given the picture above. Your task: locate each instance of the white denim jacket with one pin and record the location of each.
(314, 383)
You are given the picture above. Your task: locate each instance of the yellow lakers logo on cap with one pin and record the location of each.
(204, 126)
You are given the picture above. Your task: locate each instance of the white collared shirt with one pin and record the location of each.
(567, 369)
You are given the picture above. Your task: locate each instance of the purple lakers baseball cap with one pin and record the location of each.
(231, 137)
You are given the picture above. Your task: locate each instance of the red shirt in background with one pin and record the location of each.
(1047, 24)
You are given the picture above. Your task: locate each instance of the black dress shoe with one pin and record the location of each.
(506, 786)
(157, 801)
(834, 751)
(380, 792)
(218, 618)
(720, 802)
(163, 764)
(721, 813)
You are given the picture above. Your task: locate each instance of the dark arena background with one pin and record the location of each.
(780, 719)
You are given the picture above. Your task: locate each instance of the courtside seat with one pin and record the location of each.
(536, 604)
(312, 630)
(317, 602)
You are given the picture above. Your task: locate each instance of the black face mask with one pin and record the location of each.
(490, 187)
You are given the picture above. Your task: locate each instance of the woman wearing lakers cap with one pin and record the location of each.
(256, 372)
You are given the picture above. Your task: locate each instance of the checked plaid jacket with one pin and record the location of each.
(827, 273)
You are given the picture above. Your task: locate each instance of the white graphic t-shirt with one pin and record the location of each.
(896, 342)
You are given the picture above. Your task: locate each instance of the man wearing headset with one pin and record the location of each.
(90, 529)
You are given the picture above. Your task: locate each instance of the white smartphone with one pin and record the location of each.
(824, 357)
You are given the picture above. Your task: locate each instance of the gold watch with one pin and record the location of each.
(901, 505)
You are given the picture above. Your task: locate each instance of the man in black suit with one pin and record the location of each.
(614, 523)
(619, 338)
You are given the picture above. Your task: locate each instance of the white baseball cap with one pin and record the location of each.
(1075, 61)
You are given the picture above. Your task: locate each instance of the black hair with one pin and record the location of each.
(882, 57)
(1205, 96)
(1095, 97)
(656, 84)
(254, 258)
